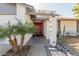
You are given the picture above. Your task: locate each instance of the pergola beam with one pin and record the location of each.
(43, 13)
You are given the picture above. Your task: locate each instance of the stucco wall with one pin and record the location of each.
(21, 12)
(5, 18)
(50, 30)
(53, 31)
(46, 29)
(70, 27)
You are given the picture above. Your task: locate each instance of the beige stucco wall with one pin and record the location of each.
(21, 12)
(50, 30)
(53, 31)
(5, 18)
(70, 26)
(46, 29)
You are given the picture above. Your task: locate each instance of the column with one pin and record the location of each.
(53, 31)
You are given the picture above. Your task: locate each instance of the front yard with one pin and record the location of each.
(72, 43)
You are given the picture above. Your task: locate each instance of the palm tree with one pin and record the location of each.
(8, 31)
(76, 10)
(14, 30)
(23, 29)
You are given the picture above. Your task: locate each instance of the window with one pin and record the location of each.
(7, 8)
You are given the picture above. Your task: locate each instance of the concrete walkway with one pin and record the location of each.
(38, 40)
(37, 50)
(37, 46)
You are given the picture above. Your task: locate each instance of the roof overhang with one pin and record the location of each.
(67, 19)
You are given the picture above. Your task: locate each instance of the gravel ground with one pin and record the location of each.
(4, 48)
(72, 43)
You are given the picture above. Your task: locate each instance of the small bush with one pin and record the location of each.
(60, 38)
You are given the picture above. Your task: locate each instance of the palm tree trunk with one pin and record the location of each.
(11, 42)
(15, 40)
(22, 41)
(15, 44)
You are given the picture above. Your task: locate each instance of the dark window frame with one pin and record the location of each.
(10, 10)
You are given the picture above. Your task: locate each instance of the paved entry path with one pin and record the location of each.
(37, 46)
(40, 47)
(37, 50)
(38, 40)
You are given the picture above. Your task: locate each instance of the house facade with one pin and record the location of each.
(44, 21)
(10, 11)
(69, 25)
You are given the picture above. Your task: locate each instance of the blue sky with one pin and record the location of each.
(64, 9)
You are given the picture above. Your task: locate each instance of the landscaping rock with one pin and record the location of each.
(23, 52)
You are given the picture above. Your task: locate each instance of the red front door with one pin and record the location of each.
(39, 27)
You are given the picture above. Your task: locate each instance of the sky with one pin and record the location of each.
(63, 9)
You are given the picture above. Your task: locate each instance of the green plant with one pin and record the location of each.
(60, 37)
(60, 40)
(76, 10)
(8, 31)
(23, 29)
(13, 30)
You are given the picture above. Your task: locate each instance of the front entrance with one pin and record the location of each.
(39, 27)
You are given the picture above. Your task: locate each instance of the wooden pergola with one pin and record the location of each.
(43, 14)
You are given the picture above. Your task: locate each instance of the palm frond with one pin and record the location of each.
(20, 28)
(76, 10)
